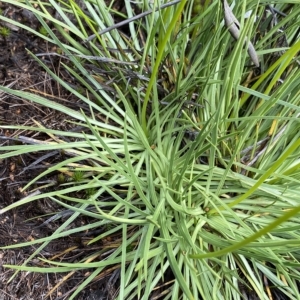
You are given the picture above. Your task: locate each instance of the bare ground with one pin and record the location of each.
(18, 70)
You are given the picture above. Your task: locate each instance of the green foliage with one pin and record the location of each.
(4, 32)
(43, 31)
(196, 151)
(78, 176)
(61, 178)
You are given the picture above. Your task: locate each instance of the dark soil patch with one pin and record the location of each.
(18, 70)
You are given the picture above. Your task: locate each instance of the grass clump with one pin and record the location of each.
(188, 154)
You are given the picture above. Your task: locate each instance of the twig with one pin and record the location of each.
(233, 26)
(139, 16)
(89, 57)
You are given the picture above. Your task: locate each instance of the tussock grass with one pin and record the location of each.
(197, 149)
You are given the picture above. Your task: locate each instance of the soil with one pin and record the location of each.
(20, 71)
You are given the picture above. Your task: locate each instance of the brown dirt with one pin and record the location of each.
(18, 70)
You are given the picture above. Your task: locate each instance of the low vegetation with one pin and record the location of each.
(188, 158)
